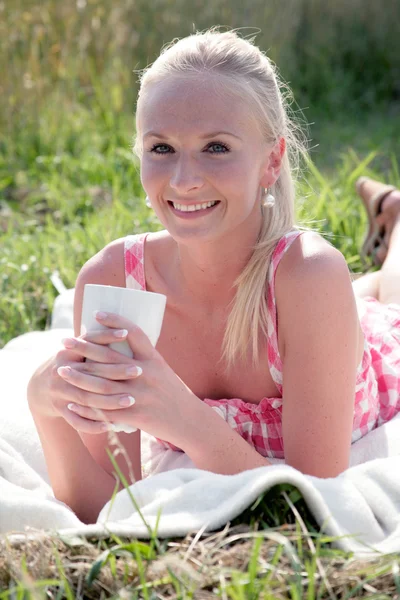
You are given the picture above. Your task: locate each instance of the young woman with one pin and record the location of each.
(262, 320)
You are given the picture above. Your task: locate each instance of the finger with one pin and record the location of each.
(105, 336)
(84, 425)
(67, 392)
(115, 372)
(96, 415)
(94, 351)
(137, 339)
(91, 383)
(65, 356)
(74, 395)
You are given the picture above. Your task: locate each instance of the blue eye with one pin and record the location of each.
(156, 148)
(153, 149)
(224, 146)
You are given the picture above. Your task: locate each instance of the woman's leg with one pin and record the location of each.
(368, 285)
(384, 285)
(389, 289)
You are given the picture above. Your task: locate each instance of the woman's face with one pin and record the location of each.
(201, 146)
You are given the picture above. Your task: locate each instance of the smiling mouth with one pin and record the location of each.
(194, 207)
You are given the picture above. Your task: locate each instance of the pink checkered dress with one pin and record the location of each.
(377, 394)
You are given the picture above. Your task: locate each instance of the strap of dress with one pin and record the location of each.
(135, 278)
(134, 261)
(274, 359)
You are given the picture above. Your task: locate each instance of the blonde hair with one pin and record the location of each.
(237, 60)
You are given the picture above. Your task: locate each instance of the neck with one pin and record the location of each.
(207, 270)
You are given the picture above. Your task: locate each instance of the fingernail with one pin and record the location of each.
(121, 333)
(64, 371)
(134, 371)
(72, 406)
(127, 401)
(69, 342)
(100, 315)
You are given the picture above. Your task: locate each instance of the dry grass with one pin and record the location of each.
(86, 50)
(279, 562)
(66, 117)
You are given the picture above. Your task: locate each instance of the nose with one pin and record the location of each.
(186, 175)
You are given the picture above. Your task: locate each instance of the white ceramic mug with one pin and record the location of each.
(145, 309)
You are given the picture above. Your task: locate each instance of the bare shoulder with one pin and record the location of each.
(107, 267)
(160, 252)
(159, 247)
(310, 252)
(310, 260)
(311, 281)
(104, 268)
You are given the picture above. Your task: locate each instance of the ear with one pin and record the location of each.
(273, 164)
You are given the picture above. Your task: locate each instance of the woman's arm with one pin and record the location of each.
(107, 268)
(80, 471)
(75, 476)
(214, 446)
(319, 337)
(318, 330)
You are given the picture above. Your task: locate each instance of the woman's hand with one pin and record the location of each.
(49, 394)
(143, 392)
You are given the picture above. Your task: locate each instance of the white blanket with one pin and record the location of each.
(362, 504)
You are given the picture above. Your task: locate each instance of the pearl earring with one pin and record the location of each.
(268, 198)
(148, 202)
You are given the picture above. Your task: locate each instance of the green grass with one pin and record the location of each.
(68, 184)
(263, 554)
(58, 209)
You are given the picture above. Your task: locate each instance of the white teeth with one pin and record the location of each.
(185, 208)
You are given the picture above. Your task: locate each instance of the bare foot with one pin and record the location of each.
(382, 203)
(388, 218)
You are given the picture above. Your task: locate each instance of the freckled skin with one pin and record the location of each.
(188, 169)
(191, 172)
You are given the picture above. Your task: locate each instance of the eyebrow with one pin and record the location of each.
(206, 136)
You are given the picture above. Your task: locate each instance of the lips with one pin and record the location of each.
(191, 214)
(190, 203)
(194, 207)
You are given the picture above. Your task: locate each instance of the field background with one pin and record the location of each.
(68, 180)
(69, 185)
